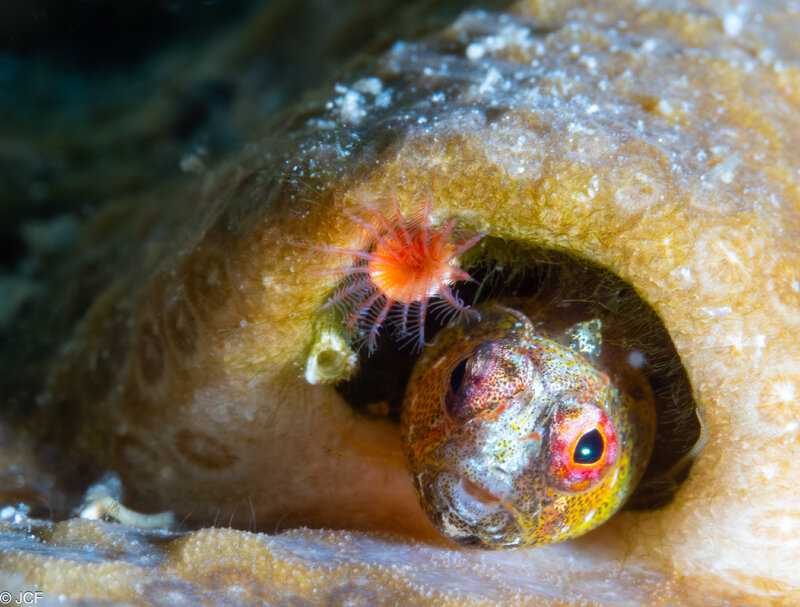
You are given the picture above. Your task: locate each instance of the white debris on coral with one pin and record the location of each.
(16, 516)
(193, 162)
(493, 78)
(725, 171)
(350, 105)
(353, 103)
(732, 24)
(511, 36)
(475, 51)
(371, 86)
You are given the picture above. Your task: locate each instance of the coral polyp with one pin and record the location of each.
(405, 272)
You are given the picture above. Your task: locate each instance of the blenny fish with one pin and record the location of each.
(518, 436)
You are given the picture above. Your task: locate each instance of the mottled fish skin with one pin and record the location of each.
(490, 412)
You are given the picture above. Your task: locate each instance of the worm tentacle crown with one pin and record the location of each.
(405, 273)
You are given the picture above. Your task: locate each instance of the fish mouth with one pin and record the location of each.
(473, 515)
(478, 493)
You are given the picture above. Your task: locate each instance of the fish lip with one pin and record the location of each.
(454, 518)
(475, 488)
(479, 492)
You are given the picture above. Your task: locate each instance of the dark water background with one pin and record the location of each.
(104, 99)
(93, 35)
(68, 71)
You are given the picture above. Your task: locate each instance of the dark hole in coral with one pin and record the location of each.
(558, 282)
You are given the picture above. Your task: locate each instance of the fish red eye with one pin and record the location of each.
(583, 446)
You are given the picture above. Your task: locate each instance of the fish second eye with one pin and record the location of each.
(457, 375)
(487, 379)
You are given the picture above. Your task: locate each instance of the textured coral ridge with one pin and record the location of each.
(222, 567)
(659, 141)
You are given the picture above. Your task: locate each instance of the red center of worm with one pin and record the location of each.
(415, 271)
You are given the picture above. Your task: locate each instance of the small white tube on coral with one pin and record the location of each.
(330, 360)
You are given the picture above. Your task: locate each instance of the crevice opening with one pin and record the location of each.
(556, 282)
